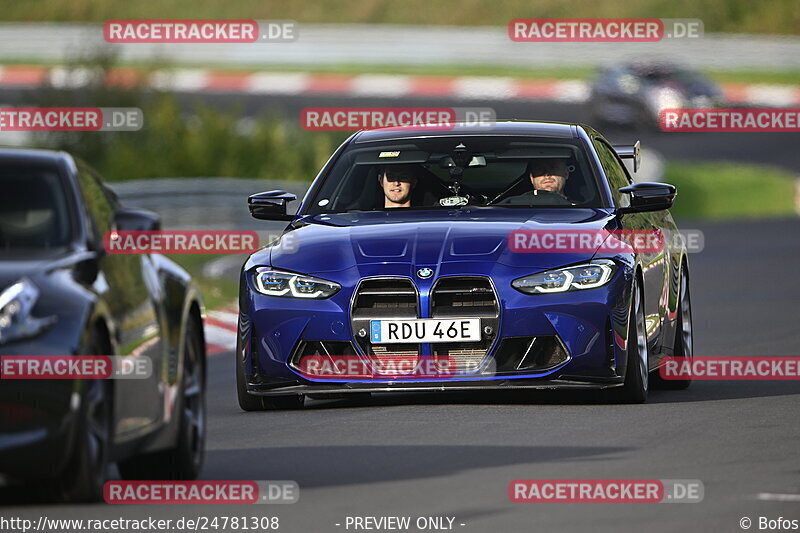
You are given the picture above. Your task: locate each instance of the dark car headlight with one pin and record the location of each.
(290, 285)
(16, 305)
(587, 276)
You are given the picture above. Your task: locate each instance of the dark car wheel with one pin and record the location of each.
(635, 387)
(684, 338)
(87, 470)
(185, 460)
(250, 402)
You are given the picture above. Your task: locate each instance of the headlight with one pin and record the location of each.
(289, 285)
(588, 276)
(16, 305)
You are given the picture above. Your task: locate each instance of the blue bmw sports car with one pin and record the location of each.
(465, 258)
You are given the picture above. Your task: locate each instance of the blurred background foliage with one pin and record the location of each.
(194, 138)
(731, 16)
(183, 139)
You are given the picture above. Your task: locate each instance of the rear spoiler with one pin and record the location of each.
(631, 152)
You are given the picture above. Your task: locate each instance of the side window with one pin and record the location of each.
(617, 176)
(98, 204)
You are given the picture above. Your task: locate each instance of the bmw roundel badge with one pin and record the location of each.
(425, 273)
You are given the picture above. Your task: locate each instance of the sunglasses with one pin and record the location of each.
(399, 176)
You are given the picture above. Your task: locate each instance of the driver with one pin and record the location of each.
(397, 182)
(548, 175)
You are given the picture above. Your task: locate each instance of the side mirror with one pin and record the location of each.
(270, 205)
(649, 197)
(131, 219)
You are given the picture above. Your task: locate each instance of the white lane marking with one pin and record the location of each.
(70, 78)
(381, 85)
(776, 497)
(278, 83)
(771, 95)
(572, 91)
(484, 87)
(180, 79)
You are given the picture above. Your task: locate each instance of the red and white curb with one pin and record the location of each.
(220, 328)
(375, 85)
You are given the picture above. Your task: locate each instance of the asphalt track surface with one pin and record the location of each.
(455, 454)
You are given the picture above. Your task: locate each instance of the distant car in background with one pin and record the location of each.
(633, 94)
(62, 294)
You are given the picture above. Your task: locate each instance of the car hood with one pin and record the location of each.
(36, 267)
(13, 271)
(337, 242)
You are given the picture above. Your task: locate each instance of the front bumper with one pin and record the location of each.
(591, 325)
(38, 424)
(275, 388)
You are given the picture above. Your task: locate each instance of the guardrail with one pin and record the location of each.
(321, 44)
(204, 203)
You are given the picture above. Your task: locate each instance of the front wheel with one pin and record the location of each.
(684, 337)
(86, 472)
(185, 459)
(637, 376)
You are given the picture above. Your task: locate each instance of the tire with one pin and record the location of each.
(87, 469)
(184, 461)
(684, 334)
(251, 402)
(635, 388)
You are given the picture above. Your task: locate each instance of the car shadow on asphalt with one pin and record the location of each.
(707, 391)
(327, 465)
(699, 391)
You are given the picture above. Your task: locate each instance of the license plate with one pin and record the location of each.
(425, 330)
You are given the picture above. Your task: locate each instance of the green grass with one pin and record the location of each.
(734, 16)
(718, 190)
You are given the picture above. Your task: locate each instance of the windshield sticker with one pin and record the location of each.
(389, 154)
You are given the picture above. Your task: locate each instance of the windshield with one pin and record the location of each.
(33, 209)
(451, 172)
